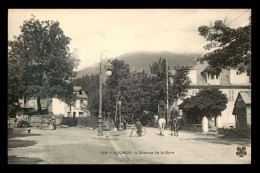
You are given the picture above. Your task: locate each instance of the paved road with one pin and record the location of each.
(80, 146)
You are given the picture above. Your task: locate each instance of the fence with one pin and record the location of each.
(90, 121)
(191, 127)
(239, 133)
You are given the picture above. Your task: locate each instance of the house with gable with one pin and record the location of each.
(77, 109)
(228, 81)
(242, 110)
(57, 106)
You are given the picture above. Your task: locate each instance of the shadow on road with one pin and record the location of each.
(21, 133)
(224, 141)
(23, 160)
(20, 143)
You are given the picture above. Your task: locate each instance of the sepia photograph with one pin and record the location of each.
(129, 86)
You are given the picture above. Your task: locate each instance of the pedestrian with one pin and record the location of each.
(54, 124)
(112, 124)
(156, 120)
(117, 124)
(174, 121)
(161, 121)
(124, 122)
(138, 126)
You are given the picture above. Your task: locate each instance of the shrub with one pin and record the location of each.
(235, 133)
(69, 121)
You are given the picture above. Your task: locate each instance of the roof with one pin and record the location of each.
(246, 96)
(83, 94)
(201, 80)
(77, 88)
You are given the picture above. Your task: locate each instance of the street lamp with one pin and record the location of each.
(109, 68)
(119, 104)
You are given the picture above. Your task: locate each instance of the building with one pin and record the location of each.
(57, 106)
(242, 110)
(228, 81)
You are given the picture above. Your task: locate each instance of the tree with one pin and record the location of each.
(111, 89)
(158, 71)
(181, 82)
(49, 65)
(136, 94)
(159, 68)
(16, 82)
(93, 94)
(208, 102)
(232, 47)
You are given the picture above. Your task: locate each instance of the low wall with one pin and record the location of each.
(89, 121)
(238, 133)
(191, 127)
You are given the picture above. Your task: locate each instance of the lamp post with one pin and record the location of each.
(120, 118)
(109, 68)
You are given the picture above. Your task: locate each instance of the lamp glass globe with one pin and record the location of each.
(109, 73)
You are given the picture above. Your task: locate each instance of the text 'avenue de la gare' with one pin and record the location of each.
(138, 152)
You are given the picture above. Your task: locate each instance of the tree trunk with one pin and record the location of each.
(39, 105)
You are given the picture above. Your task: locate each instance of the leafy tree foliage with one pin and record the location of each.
(16, 83)
(93, 94)
(232, 47)
(179, 88)
(111, 89)
(159, 69)
(138, 91)
(207, 102)
(48, 64)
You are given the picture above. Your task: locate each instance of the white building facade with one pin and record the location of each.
(57, 106)
(77, 109)
(228, 81)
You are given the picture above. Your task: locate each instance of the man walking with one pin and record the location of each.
(138, 125)
(174, 125)
(161, 121)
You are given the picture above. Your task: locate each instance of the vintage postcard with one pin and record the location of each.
(129, 86)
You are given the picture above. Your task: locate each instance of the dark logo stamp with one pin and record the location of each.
(241, 152)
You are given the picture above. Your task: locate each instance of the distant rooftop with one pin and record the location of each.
(246, 95)
(78, 95)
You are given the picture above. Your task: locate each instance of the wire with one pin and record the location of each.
(238, 17)
(198, 47)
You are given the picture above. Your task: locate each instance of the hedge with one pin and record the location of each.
(90, 121)
(236, 133)
(191, 127)
(69, 121)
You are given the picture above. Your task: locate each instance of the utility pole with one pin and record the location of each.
(167, 115)
(100, 122)
(116, 108)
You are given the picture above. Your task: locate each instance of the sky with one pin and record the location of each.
(112, 32)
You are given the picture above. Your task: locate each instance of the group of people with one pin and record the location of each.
(173, 122)
(117, 124)
(160, 120)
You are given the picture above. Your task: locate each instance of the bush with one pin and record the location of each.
(69, 121)
(191, 127)
(88, 122)
(23, 123)
(235, 133)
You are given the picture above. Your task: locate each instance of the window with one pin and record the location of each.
(231, 95)
(194, 92)
(80, 92)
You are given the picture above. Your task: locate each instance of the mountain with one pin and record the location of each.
(142, 59)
